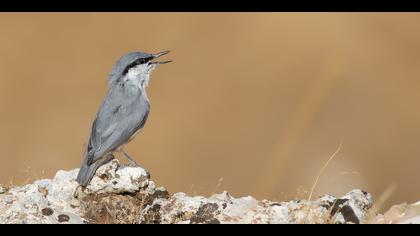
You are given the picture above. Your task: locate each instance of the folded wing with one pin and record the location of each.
(119, 117)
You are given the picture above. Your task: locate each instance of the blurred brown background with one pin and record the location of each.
(253, 103)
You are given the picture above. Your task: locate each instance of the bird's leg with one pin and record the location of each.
(134, 163)
(130, 160)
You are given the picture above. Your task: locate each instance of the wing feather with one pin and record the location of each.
(121, 114)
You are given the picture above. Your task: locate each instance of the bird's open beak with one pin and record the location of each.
(157, 55)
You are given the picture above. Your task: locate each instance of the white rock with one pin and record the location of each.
(413, 220)
(63, 185)
(223, 208)
(279, 215)
(110, 178)
(53, 201)
(399, 214)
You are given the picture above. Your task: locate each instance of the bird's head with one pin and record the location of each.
(135, 67)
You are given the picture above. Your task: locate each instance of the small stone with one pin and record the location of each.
(43, 190)
(2, 189)
(47, 211)
(63, 218)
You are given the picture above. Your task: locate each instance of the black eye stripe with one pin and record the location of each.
(136, 63)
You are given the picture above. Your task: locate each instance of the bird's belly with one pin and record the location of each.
(131, 138)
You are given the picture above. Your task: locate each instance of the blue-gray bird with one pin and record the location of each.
(122, 114)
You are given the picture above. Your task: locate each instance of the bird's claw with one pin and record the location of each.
(132, 163)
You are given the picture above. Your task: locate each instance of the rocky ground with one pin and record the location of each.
(123, 194)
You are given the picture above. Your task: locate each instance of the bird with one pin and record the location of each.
(122, 114)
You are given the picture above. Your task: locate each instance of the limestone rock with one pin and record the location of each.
(399, 214)
(124, 194)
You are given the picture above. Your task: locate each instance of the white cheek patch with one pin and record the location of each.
(135, 72)
(139, 75)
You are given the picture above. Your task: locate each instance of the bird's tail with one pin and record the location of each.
(86, 172)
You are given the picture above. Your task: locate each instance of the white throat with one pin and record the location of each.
(140, 75)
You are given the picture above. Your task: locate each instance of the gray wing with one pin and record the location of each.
(121, 114)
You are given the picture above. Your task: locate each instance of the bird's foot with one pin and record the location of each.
(132, 163)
